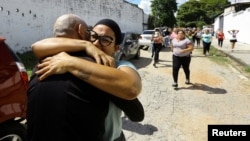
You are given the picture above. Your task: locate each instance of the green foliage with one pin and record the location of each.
(29, 61)
(247, 69)
(163, 12)
(151, 22)
(193, 13)
(198, 13)
(214, 7)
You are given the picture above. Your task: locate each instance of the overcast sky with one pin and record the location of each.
(145, 4)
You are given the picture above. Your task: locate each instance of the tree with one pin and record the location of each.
(198, 13)
(151, 22)
(214, 7)
(163, 12)
(192, 14)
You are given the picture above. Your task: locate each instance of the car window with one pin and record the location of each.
(148, 32)
(134, 36)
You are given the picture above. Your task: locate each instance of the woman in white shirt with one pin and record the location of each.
(233, 38)
(181, 48)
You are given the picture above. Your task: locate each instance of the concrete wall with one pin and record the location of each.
(25, 21)
(235, 20)
(239, 1)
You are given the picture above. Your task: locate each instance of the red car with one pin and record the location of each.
(13, 95)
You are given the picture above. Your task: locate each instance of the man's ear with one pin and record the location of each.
(82, 32)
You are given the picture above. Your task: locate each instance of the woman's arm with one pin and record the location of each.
(124, 82)
(171, 47)
(190, 48)
(132, 108)
(54, 45)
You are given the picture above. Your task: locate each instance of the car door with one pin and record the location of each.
(135, 44)
(131, 43)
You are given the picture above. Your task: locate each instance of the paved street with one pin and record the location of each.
(218, 95)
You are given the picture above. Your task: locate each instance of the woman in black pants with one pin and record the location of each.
(206, 39)
(181, 48)
(157, 45)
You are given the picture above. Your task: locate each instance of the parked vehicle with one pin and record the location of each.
(13, 95)
(145, 38)
(129, 48)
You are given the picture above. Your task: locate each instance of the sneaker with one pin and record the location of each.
(175, 85)
(187, 81)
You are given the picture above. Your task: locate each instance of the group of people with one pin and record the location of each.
(182, 42)
(77, 90)
(194, 34)
(233, 39)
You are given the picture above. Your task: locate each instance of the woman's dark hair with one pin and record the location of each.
(181, 30)
(114, 26)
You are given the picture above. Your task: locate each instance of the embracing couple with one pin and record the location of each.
(77, 90)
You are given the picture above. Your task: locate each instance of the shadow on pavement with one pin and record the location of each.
(210, 90)
(165, 49)
(145, 129)
(142, 62)
(164, 64)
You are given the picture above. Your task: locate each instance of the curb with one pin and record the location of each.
(234, 58)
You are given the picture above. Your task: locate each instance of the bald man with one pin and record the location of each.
(87, 123)
(62, 106)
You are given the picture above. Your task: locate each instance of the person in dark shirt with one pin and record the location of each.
(63, 107)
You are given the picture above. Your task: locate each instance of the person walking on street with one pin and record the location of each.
(233, 38)
(206, 39)
(173, 34)
(181, 48)
(221, 37)
(198, 37)
(189, 35)
(166, 38)
(157, 45)
(194, 32)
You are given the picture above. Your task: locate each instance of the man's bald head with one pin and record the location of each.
(70, 26)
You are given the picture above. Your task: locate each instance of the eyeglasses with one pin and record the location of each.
(104, 40)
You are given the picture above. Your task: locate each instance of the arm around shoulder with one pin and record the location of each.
(123, 82)
(54, 45)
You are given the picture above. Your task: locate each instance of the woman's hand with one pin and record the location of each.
(56, 64)
(52, 46)
(99, 56)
